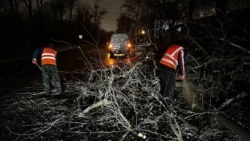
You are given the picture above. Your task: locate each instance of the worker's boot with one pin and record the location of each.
(47, 93)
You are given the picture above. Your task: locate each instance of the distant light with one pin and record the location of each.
(143, 32)
(179, 29)
(80, 36)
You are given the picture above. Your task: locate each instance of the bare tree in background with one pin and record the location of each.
(70, 4)
(29, 6)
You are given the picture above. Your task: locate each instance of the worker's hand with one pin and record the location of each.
(181, 77)
(34, 61)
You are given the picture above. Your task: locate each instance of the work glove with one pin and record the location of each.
(34, 61)
(181, 77)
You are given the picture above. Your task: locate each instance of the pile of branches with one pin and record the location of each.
(125, 99)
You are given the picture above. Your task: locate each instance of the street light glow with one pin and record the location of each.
(142, 31)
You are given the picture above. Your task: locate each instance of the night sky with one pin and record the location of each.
(113, 7)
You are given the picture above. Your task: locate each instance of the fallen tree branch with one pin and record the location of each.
(95, 105)
(176, 128)
(244, 134)
(235, 45)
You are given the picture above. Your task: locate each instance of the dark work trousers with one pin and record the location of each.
(167, 81)
(50, 73)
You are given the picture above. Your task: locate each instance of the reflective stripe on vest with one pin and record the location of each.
(170, 58)
(48, 56)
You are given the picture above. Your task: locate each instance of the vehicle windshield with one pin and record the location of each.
(119, 40)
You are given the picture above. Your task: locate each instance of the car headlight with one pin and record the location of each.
(110, 46)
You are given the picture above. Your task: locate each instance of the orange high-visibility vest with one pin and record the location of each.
(170, 58)
(49, 56)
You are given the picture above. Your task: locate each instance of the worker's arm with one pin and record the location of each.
(36, 54)
(181, 75)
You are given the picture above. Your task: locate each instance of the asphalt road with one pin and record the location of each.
(19, 72)
(16, 73)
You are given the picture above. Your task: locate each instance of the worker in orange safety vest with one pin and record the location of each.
(172, 62)
(48, 67)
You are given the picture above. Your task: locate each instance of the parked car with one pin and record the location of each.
(119, 45)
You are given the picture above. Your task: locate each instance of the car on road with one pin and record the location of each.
(119, 45)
